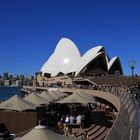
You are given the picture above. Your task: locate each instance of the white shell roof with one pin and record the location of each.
(92, 52)
(107, 58)
(111, 62)
(85, 61)
(87, 57)
(66, 58)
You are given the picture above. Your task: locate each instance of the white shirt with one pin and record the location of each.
(79, 119)
(67, 119)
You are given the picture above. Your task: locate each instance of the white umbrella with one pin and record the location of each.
(54, 94)
(45, 95)
(77, 98)
(17, 103)
(33, 98)
(48, 95)
(41, 133)
(61, 94)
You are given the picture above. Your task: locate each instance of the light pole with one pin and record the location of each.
(132, 65)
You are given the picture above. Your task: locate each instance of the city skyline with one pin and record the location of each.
(30, 31)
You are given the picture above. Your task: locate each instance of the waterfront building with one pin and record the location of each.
(67, 59)
(68, 62)
(6, 75)
(6, 83)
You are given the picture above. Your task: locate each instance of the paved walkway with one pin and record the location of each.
(138, 119)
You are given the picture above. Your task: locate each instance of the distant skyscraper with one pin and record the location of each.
(6, 76)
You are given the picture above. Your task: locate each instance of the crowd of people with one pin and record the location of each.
(64, 117)
(70, 114)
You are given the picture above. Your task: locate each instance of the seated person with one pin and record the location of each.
(66, 130)
(72, 119)
(85, 136)
(78, 119)
(60, 125)
(67, 119)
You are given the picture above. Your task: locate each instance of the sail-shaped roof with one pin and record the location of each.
(64, 56)
(67, 59)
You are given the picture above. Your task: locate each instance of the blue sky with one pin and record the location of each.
(31, 29)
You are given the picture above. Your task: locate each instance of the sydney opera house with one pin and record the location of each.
(106, 112)
(66, 59)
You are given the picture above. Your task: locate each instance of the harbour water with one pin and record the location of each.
(8, 92)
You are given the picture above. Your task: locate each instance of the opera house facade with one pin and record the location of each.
(66, 59)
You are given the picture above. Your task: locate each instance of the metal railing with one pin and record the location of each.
(131, 105)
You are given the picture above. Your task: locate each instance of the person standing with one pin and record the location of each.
(78, 119)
